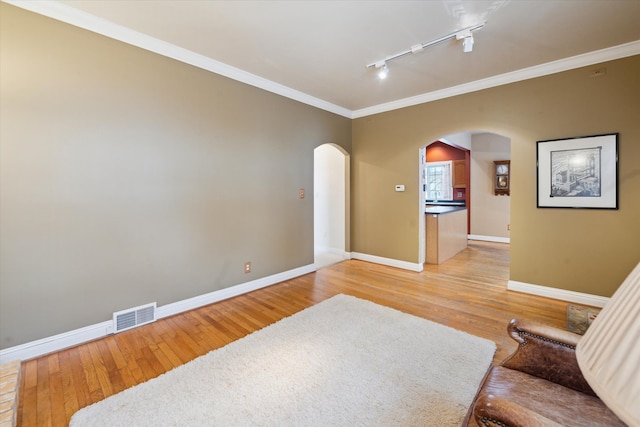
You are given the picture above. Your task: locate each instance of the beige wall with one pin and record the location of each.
(127, 178)
(588, 251)
(490, 214)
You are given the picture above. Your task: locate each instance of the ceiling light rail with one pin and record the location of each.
(464, 35)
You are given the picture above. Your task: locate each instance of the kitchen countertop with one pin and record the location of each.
(443, 209)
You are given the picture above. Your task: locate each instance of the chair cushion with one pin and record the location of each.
(555, 402)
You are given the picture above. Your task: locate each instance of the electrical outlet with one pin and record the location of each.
(301, 193)
(508, 227)
(247, 267)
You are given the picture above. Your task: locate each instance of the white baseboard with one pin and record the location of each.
(64, 340)
(56, 342)
(222, 294)
(489, 238)
(555, 293)
(59, 342)
(330, 250)
(388, 261)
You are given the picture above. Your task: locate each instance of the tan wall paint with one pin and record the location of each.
(588, 251)
(127, 178)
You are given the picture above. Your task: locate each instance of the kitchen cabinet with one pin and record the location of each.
(459, 174)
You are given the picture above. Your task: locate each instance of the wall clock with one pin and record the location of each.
(502, 177)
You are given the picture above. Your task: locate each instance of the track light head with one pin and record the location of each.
(467, 40)
(467, 44)
(383, 72)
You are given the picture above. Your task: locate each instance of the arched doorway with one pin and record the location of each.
(331, 205)
(489, 214)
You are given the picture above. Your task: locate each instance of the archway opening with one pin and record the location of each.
(489, 213)
(331, 205)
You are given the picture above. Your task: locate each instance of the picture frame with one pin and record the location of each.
(580, 172)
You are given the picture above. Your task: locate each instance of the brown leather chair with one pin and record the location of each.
(540, 384)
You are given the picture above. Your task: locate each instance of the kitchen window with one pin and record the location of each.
(438, 181)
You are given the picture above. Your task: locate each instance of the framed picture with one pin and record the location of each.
(578, 172)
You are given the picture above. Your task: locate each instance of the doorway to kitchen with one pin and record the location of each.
(474, 155)
(330, 205)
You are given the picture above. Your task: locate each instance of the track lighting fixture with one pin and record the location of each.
(464, 35)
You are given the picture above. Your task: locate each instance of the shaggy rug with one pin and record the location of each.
(343, 362)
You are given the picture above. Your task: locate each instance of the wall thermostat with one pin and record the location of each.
(399, 187)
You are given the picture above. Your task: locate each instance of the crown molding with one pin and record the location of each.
(77, 18)
(583, 60)
(69, 15)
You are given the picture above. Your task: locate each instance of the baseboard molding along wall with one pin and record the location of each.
(64, 340)
(59, 342)
(560, 294)
(405, 265)
(489, 238)
(544, 291)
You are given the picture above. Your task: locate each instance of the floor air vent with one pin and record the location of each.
(133, 317)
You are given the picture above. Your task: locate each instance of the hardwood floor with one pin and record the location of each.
(467, 292)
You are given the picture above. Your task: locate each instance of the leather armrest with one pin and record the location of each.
(492, 411)
(516, 326)
(546, 352)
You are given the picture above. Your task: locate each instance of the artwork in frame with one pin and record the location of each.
(578, 172)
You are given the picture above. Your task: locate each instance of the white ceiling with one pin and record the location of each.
(317, 51)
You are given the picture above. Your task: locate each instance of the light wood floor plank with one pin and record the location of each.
(468, 292)
(69, 394)
(43, 393)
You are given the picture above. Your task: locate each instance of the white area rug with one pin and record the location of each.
(343, 362)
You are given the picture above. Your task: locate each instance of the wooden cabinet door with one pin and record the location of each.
(459, 174)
